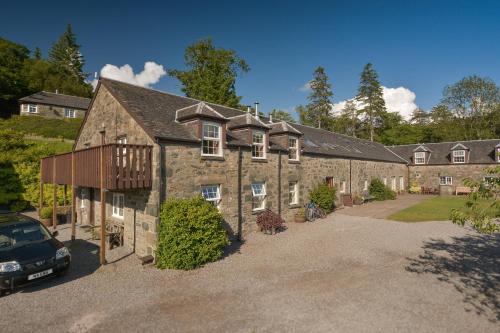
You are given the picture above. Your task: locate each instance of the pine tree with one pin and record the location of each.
(419, 117)
(370, 94)
(350, 114)
(37, 54)
(66, 56)
(211, 74)
(320, 105)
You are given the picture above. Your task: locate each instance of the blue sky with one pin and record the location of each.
(419, 45)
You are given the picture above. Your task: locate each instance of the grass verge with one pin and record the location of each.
(434, 209)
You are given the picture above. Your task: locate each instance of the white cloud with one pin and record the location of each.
(400, 100)
(306, 87)
(151, 74)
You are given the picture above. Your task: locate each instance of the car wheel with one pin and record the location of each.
(63, 273)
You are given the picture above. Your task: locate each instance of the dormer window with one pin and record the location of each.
(420, 157)
(293, 148)
(211, 139)
(258, 144)
(458, 156)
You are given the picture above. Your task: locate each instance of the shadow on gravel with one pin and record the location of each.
(471, 264)
(84, 261)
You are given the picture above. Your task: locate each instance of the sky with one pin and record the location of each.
(417, 47)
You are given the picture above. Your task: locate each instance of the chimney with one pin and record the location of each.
(256, 110)
(57, 91)
(271, 118)
(249, 108)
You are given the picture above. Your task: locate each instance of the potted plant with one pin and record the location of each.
(46, 216)
(357, 200)
(300, 216)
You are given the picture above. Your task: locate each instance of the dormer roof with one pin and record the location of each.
(422, 148)
(246, 120)
(459, 146)
(201, 110)
(283, 127)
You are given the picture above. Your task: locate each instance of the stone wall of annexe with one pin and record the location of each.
(430, 175)
(50, 111)
(140, 213)
(187, 171)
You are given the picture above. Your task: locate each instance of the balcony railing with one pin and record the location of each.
(125, 167)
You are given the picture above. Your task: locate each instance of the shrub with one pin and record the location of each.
(323, 196)
(381, 192)
(46, 213)
(269, 221)
(190, 234)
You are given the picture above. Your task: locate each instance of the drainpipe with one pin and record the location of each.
(240, 217)
(350, 177)
(279, 182)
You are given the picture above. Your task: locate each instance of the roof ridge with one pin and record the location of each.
(437, 143)
(57, 94)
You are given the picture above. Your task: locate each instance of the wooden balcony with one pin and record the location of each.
(125, 167)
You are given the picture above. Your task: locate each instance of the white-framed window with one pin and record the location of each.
(343, 186)
(258, 196)
(211, 139)
(498, 155)
(401, 183)
(293, 148)
(458, 156)
(118, 203)
(211, 193)
(30, 108)
(365, 185)
(445, 180)
(393, 183)
(420, 157)
(385, 181)
(293, 193)
(258, 144)
(69, 113)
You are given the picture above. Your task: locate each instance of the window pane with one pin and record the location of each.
(258, 137)
(210, 131)
(210, 192)
(258, 189)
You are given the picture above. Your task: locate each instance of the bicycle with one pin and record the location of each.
(313, 212)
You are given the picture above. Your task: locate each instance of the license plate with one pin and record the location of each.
(40, 274)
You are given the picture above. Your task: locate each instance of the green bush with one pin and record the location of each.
(46, 213)
(323, 196)
(190, 234)
(381, 192)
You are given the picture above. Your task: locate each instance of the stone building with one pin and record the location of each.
(53, 105)
(444, 166)
(241, 163)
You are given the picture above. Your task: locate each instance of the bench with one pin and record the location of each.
(462, 190)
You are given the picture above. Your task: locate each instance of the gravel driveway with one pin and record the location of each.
(340, 274)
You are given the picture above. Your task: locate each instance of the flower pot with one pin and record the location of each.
(300, 218)
(358, 201)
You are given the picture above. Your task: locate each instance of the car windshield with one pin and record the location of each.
(18, 234)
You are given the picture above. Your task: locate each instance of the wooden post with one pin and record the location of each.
(40, 200)
(73, 197)
(65, 194)
(54, 194)
(103, 203)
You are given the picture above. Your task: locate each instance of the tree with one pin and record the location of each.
(419, 117)
(211, 74)
(281, 115)
(12, 84)
(37, 54)
(66, 56)
(370, 95)
(475, 214)
(472, 100)
(348, 121)
(320, 105)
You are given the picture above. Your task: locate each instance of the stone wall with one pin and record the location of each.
(141, 206)
(187, 171)
(428, 175)
(51, 111)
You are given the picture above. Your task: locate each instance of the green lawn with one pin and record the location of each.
(49, 128)
(433, 209)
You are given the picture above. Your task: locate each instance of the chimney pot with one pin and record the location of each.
(256, 110)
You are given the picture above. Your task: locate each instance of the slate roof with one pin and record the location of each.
(283, 127)
(245, 120)
(48, 98)
(155, 111)
(481, 151)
